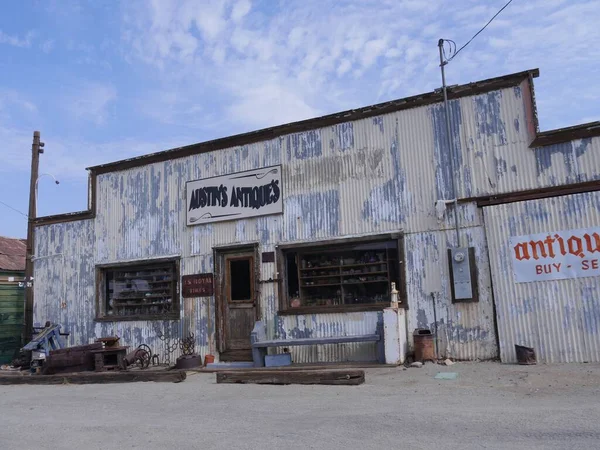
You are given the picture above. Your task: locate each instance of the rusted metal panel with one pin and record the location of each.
(560, 318)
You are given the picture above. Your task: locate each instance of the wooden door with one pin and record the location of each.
(238, 306)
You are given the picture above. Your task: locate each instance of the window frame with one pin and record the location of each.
(101, 290)
(283, 295)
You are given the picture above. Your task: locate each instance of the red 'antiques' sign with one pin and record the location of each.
(198, 285)
(556, 255)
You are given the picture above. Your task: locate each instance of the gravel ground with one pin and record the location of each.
(489, 405)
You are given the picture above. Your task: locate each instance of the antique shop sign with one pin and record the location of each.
(556, 255)
(235, 196)
(198, 285)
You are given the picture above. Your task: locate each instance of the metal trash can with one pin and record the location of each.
(424, 348)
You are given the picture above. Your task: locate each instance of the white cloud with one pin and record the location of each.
(47, 46)
(372, 50)
(270, 104)
(16, 41)
(303, 58)
(12, 101)
(240, 10)
(91, 101)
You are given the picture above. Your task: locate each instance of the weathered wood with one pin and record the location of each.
(77, 349)
(317, 341)
(71, 359)
(327, 377)
(165, 376)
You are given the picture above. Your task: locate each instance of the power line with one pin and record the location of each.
(14, 209)
(451, 43)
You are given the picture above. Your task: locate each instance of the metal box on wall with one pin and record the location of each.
(463, 274)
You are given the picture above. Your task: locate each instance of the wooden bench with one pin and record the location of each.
(260, 344)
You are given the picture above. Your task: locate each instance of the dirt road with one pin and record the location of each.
(488, 406)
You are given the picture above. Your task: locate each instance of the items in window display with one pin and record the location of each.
(346, 277)
(137, 291)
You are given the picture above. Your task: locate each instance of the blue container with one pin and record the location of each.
(283, 359)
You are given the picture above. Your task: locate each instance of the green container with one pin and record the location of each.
(12, 306)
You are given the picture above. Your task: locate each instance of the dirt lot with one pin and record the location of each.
(488, 406)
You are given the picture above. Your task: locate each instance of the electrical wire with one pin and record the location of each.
(450, 43)
(451, 47)
(14, 209)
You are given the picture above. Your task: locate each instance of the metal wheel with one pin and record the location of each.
(142, 358)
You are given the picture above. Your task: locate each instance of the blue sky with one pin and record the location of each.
(107, 80)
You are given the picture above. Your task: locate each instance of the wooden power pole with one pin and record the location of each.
(36, 148)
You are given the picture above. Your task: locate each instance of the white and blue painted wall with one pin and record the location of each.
(367, 176)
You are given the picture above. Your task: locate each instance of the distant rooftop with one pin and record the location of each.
(12, 254)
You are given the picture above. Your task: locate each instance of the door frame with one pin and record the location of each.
(220, 254)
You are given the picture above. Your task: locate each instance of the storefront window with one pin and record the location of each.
(341, 276)
(139, 291)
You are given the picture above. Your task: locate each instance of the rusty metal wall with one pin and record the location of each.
(358, 178)
(559, 318)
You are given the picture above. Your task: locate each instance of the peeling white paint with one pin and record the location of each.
(370, 176)
(560, 319)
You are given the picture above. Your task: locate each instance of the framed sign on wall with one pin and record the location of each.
(235, 196)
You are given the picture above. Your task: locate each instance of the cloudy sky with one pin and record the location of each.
(104, 80)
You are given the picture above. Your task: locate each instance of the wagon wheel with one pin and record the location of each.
(142, 358)
(147, 348)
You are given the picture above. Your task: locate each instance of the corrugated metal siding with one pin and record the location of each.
(12, 305)
(494, 153)
(465, 330)
(560, 319)
(322, 325)
(368, 176)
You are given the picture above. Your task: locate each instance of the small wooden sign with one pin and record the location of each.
(268, 257)
(198, 285)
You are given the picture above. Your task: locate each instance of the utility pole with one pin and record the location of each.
(36, 149)
(449, 141)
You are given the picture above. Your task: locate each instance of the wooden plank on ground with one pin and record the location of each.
(166, 376)
(328, 377)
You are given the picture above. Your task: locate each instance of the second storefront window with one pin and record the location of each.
(342, 275)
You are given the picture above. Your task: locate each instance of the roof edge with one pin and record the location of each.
(561, 135)
(65, 217)
(454, 92)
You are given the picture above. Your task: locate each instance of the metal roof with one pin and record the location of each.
(12, 254)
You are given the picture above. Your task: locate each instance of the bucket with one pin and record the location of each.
(209, 359)
(424, 348)
(525, 355)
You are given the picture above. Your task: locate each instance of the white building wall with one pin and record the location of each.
(363, 177)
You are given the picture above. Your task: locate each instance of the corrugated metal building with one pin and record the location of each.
(305, 226)
(12, 296)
